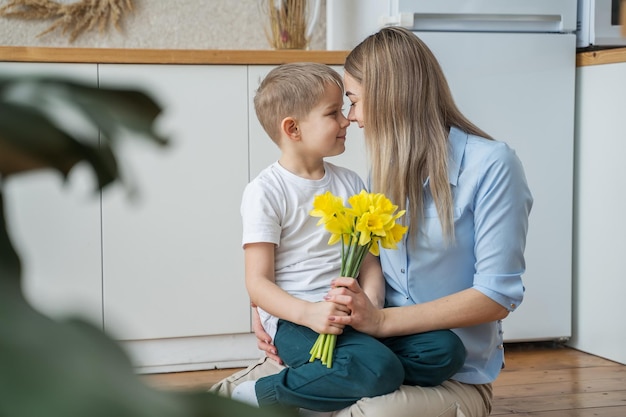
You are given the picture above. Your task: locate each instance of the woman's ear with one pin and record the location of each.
(290, 129)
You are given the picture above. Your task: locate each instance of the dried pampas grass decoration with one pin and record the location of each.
(75, 18)
(289, 22)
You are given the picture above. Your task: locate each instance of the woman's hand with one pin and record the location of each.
(364, 316)
(465, 308)
(264, 341)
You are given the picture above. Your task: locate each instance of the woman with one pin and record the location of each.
(467, 205)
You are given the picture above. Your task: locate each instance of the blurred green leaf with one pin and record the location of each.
(70, 368)
(32, 138)
(10, 266)
(29, 140)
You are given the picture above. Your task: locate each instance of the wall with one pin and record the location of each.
(165, 24)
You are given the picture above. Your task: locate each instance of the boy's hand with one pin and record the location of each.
(317, 317)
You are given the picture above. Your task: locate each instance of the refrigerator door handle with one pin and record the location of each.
(476, 22)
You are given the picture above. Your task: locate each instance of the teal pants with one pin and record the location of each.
(363, 366)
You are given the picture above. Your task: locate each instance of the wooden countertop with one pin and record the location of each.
(602, 56)
(168, 56)
(222, 57)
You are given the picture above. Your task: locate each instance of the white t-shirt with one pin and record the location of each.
(275, 208)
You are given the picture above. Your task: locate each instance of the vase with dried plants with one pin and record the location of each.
(289, 23)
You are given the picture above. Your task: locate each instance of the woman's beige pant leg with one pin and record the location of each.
(451, 399)
(263, 367)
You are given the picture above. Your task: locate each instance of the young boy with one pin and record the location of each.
(289, 264)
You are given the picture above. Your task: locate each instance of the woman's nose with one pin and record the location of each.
(350, 115)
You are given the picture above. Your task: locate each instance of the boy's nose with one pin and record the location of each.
(345, 122)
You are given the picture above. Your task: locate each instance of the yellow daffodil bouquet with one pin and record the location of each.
(370, 221)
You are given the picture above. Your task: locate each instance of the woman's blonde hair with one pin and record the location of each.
(408, 111)
(292, 90)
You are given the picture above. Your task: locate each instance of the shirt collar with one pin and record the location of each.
(457, 139)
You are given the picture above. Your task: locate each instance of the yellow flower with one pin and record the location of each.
(375, 248)
(339, 225)
(332, 215)
(326, 206)
(361, 203)
(393, 236)
(366, 225)
(370, 224)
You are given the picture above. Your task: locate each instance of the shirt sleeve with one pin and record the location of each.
(260, 214)
(502, 207)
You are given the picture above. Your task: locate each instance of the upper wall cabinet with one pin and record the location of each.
(172, 257)
(55, 223)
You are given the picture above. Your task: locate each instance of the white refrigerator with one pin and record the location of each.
(511, 68)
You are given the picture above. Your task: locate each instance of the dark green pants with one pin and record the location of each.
(363, 366)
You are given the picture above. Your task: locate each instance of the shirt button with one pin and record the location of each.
(402, 270)
(500, 346)
(513, 305)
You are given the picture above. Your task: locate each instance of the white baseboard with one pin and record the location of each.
(192, 353)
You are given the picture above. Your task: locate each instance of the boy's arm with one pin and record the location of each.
(372, 281)
(263, 291)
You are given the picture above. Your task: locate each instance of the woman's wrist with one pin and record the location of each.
(378, 320)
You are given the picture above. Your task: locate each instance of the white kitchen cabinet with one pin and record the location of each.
(264, 152)
(55, 224)
(172, 257)
(599, 282)
(157, 261)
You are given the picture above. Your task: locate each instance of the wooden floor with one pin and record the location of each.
(540, 379)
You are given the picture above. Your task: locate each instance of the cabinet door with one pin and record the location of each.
(599, 223)
(55, 223)
(172, 257)
(264, 152)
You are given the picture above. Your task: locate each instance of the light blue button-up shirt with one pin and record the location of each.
(492, 203)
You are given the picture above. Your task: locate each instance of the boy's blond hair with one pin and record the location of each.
(292, 90)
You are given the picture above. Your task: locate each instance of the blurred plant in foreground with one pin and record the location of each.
(70, 368)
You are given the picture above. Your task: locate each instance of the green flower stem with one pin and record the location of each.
(351, 260)
(316, 350)
(323, 349)
(325, 353)
(332, 341)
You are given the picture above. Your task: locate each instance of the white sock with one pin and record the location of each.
(245, 393)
